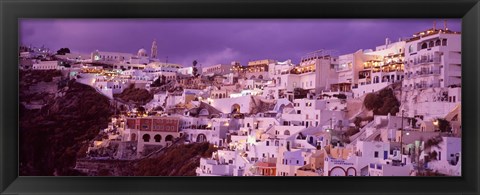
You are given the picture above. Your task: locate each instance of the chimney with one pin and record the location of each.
(445, 25)
(434, 25)
(387, 41)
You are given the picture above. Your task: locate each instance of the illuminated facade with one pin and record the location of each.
(258, 69)
(381, 67)
(433, 59)
(152, 131)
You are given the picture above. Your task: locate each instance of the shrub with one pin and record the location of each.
(135, 94)
(342, 96)
(382, 103)
(352, 131)
(371, 101)
(443, 125)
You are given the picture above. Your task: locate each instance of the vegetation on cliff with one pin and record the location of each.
(382, 102)
(136, 95)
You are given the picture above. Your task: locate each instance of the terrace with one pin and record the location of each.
(303, 69)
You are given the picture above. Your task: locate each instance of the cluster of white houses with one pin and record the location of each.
(263, 126)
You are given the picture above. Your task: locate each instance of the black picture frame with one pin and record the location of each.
(11, 11)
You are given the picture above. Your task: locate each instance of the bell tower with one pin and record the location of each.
(154, 49)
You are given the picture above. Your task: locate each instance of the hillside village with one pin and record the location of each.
(394, 110)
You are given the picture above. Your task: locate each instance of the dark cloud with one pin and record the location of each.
(223, 40)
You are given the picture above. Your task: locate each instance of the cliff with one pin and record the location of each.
(52, 137)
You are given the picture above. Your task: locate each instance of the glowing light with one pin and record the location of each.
(252, 140)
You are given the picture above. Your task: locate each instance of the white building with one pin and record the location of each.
(432, 86)
(316, 71)
(221, 69)
(45, 65)
(448, 157)
(433, 59)
(381, 68)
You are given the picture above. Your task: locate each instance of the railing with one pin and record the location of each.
(436, 60)
(426, 85)
(425, 73)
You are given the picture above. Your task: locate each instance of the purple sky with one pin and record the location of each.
(213, 41)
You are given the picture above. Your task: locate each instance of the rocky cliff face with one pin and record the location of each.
(52, 137)
(177, 160)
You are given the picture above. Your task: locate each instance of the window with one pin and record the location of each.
(376, 154)
(268, 143)
(424, 46)
(157, 138)
(444, 42)
(146, 138)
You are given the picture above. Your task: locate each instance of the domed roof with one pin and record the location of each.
(142, 52)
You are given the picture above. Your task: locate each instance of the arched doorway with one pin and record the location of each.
(169, 138)
(146, 138)
(337, 171)
(157, 138)
(201, 138)
(235, 109)
(351, 171)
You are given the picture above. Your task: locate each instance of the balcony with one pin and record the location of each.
(436, 60)
(302, 70)
(425, 73)
(426, 85)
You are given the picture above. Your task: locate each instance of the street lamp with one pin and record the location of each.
(436, 123)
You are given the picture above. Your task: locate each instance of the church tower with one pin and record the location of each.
(154, 49)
